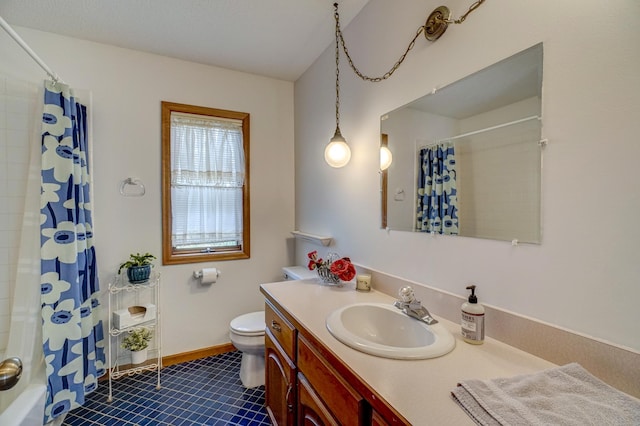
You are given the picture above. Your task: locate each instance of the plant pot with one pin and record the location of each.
(139, 274)
(138, 357)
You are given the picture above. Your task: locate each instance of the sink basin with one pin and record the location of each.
(383, 330)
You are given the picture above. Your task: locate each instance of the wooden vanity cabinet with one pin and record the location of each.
(307, 385)
(311, 409)
(280, 369)
(346, 405)
(378, 420)
(280, 392)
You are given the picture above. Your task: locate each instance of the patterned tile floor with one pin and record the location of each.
(201, 392)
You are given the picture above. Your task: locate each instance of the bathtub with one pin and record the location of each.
(24, 404)
(27, 409)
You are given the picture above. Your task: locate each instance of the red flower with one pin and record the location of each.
(344, 269)
(314, 262)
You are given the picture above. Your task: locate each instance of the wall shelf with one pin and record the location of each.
(317, 239)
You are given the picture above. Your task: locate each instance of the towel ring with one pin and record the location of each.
(132, 182)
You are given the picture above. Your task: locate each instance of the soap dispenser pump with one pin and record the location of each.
(472, 319)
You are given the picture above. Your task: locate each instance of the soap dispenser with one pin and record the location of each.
(473, 319)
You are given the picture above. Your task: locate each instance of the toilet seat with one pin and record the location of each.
(251, 324)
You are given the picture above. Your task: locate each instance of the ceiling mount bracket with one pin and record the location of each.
(437, 23)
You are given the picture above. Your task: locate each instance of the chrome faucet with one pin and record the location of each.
(412, 307)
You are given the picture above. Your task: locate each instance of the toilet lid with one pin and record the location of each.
(251, 324)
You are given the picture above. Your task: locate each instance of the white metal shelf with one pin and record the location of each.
(121, 294)
(121, 284)
(150, 325)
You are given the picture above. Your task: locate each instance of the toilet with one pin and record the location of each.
(247, 335)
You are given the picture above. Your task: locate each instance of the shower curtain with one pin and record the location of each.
(437, 198)
(73, 338)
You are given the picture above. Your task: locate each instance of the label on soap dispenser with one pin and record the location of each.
(472, 326)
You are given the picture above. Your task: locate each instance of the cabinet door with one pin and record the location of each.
(345, 404)
(377, 420)
(280, 395)
(311, 410)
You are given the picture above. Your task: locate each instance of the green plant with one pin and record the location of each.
(137, 340)
(137, 260)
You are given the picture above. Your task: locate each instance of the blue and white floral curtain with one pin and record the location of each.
(73, 337)
(437, 206)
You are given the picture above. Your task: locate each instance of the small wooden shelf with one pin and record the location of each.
(317, 239)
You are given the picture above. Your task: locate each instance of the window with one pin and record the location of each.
(205, 184)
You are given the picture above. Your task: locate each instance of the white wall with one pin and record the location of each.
(17, 109)
(584, 275)
(498, 174)
(127, 87)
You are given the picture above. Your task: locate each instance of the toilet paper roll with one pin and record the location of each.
(209, 275)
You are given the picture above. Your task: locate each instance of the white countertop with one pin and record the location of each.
(420, 390)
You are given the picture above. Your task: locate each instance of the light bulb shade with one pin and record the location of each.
(337, 153)
(385, 158)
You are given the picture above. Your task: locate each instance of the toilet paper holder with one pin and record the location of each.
(199, 274)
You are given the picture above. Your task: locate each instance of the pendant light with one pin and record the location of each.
(337, 153)
(386, 158)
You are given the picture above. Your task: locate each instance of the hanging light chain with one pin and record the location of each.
(388, 74)
(461, 19)
(393, 68)
(335, 5)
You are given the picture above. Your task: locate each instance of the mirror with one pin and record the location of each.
(467, 158)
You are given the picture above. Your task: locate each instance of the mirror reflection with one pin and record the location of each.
(467, 158)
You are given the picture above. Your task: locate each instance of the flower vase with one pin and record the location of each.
(138, 357)
(326, 276)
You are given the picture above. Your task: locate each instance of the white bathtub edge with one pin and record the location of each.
(27, 409)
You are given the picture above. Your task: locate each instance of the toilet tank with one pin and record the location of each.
(297, 273)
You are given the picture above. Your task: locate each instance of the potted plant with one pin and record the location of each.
(138, 267)
(137, 341)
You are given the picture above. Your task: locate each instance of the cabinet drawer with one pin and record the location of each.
(346, 405)
(281, 330)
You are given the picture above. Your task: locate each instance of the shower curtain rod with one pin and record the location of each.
(522, 120)
(14, 35)
(498, 126)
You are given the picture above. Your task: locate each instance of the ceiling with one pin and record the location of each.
(273, 38)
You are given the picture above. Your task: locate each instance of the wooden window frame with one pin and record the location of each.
(169, 255)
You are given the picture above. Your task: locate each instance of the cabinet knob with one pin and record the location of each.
(275, 326)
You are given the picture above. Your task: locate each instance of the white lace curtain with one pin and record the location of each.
(207, 175)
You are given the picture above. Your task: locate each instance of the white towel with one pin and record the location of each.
(567, 395)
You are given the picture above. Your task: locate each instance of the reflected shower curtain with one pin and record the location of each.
(437, 198)
(73, 338)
